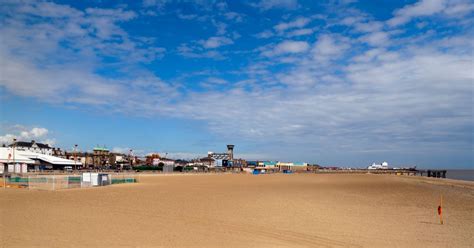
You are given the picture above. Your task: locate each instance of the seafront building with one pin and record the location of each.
(34, 156)
(209, 162)
(22, 157)
(32, 146)
(278, 165)
(292, 166)
(382, 166)
(154, 159)
(100, 156)
(22, 161)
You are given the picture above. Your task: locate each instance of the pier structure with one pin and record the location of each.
(436, 173)
(365, 171)
(405, 172)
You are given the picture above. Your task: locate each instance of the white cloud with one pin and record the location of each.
(329, 47)
(7, 139)
(213, 82)
(215, 42)
(197, 51)
(292, 47)
(264, 34)
(233, 16)
(297, 23)
(351, 20)
(35, 62)
(271, 4)
(369, 55)
(187, 16)
(300, 32)
(38, 132)
(379, 38)
(367, 27)
(150, 3)
(390, 103)
(161, 5)
(326, 46)
(21, 133)
(287, 47)
(220, 26)
(421, 8)
(459, 9)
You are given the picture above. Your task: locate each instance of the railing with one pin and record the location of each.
(58, 182)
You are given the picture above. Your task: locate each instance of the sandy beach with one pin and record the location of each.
(299, 210)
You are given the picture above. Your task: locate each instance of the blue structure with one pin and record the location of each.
(252, 163)
(269, 163)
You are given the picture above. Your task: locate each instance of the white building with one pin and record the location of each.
(374, 166)
(299, 166)
(33, 146)
(164, 161)
(13, 159)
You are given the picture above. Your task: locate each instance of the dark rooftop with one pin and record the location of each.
(30, 144)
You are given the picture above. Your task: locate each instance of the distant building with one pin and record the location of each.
(293, 166)
(181, 162)
(155, 159)
(252, 163)
(164, 161)
(239, 163)
(374, 166)
(267, 164)
(33, 146)
(116, 159)
(78, 157)
(207, 161)
(151, 158)
(15, 159)
(100, 156)
(83, 159)
(87, 159)
(59, 153)
(313, 167)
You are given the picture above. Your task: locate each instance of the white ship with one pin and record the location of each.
(374, 166)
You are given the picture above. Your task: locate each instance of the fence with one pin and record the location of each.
(58, 182)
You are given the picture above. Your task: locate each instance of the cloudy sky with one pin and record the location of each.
(336, 83)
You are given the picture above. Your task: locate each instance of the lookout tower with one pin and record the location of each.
(230, 151)
(229, 155)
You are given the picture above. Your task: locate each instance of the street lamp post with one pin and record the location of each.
(75, 157)
(130, 158)
(13, 152)
(6, 169)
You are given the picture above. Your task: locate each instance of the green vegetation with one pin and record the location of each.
(148, 168)
(123, 180)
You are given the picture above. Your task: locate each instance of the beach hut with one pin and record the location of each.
(95, 179)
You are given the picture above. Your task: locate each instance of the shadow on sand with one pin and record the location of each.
(430, 223)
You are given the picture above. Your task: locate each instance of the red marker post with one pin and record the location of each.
(440, 210)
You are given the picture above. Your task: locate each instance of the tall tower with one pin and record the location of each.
(230, 151)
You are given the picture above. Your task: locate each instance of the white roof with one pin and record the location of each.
(6, 156)
(29, 157)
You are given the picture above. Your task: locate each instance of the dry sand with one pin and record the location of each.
(278, 210)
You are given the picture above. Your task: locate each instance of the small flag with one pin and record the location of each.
(439, 210)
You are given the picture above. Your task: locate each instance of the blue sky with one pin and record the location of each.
(331, 82)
